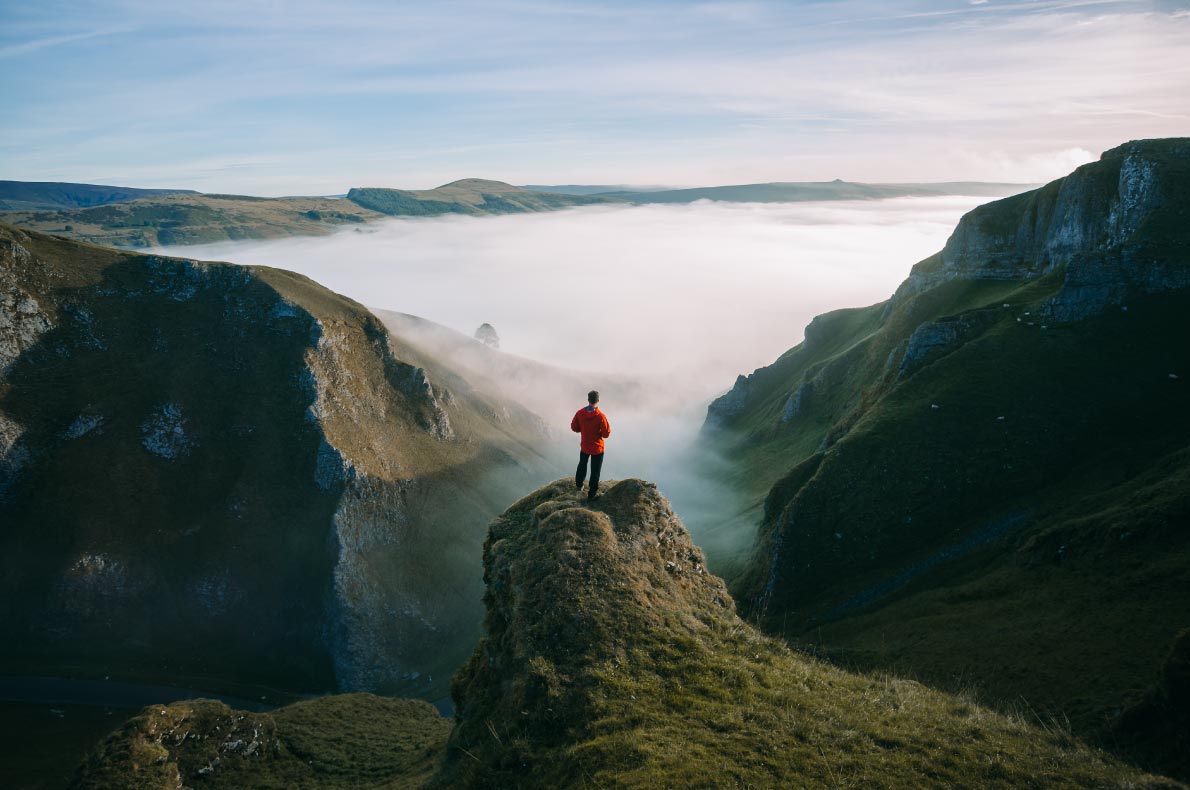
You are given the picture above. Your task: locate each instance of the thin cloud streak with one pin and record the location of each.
(27, 47)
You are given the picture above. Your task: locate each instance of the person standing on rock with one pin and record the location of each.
(590, 423)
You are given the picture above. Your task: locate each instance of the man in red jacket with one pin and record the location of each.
(592, 425)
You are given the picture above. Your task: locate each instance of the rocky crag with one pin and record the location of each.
(232, 475)
(612, 659)
(984, 480)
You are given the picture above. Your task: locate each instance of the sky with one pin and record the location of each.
(274, 98)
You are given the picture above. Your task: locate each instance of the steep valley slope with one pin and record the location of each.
(218, 475)
(611, 659)
(985, 481)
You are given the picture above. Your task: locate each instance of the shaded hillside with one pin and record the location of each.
(194, 219)
(54, 195)
(612, 659)
(985, 480)
(473, 196)
(220, 474)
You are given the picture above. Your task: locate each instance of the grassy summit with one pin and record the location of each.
(473, 196)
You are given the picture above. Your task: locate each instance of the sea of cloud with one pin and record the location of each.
(680, 298)
(692, 293)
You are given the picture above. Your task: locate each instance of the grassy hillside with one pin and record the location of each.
(984, 481)
(472, 196)
(194, 219)
(612, 659)
(54, 195)
(222, 476)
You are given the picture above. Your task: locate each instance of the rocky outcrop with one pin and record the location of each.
(797, 400)
(486, 334)
(22, 321)
(730, 404)
(933, 338)
(355, 741)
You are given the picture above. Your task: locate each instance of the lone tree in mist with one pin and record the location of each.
(486, 334)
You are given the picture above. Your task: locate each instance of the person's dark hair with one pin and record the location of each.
(593, 397)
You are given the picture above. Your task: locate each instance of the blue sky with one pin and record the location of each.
(312, 98)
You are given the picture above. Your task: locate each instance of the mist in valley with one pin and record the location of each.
(658, 307)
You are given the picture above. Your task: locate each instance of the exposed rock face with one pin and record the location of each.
(932, 338)
(731, 403)
(486, 334)
(793, 406)
(1106, 225)
(230, 468)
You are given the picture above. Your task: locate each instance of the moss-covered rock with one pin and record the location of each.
(355, 741)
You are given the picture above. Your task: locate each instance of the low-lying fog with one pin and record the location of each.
(701, 292)
(682, 298)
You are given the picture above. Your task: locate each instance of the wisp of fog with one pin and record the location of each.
(680, 298)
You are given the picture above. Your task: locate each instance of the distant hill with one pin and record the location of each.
(590, 189)
(472, 196)
(985, 480)
(192, 218)
(53, 195)
(795, 192)
(611, 659)
(150, 218)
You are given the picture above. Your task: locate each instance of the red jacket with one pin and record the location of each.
(591, 423)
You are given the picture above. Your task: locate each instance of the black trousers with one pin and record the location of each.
(581, 473)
